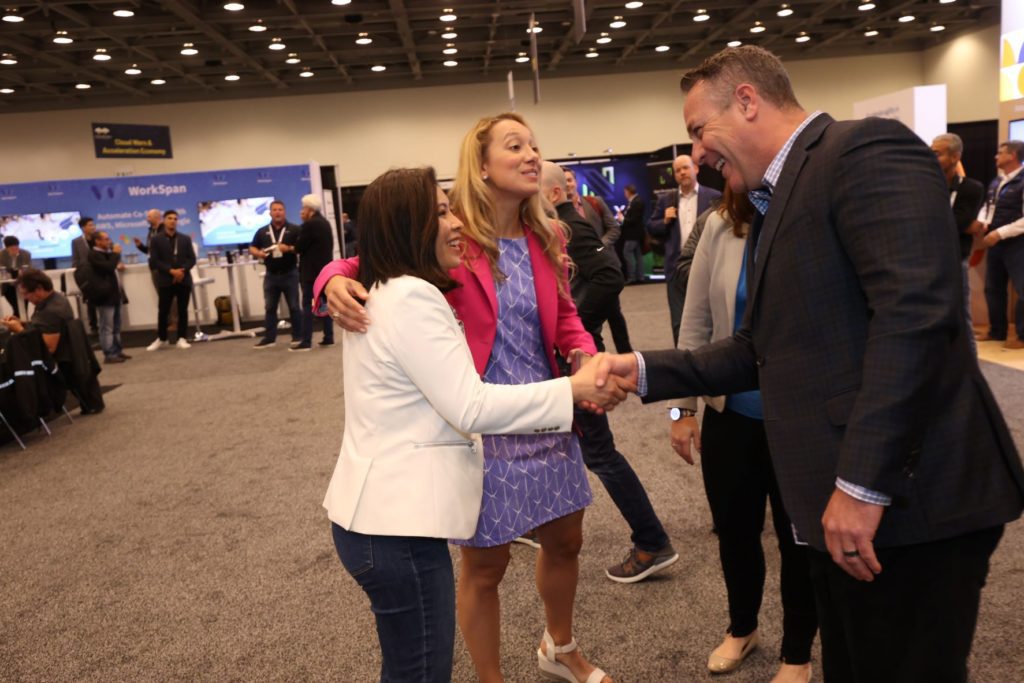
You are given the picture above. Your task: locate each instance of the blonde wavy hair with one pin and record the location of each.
(472, 201)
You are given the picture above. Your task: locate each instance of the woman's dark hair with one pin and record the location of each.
(398, 227)
(737, 208)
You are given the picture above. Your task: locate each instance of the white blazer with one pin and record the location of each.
(411, 460)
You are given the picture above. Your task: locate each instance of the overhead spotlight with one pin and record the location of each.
(133, 70)
(234, 6)
(866, 6)
(634, 5)
(662, 48)
(82, 86)
(189, 49)
(378, 68)
(232, 77)
(906, 18)
(450, 62)
(936, 28)
(618, 22)
(364, 39)
(101, 55)
(62, 38)
(870, 33)
(157, 81)
(124, 13)
(758, 27)
(276, 44)
(449, 35)
(734, 43)
(537, 28)
(522, 58)
(11, 16)
(448, 15)
(293, 58)
(6, 91)
(341, 2)
(605, 38)
(701, 15)
(449, 49)
(946, 2)
(803, 37)
(784, 11)
(7, 59)
(306, 72)
(591, 53)
(258, 27)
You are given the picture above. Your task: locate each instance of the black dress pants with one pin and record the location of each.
(739, 479)
(165, 295)
(915, 622)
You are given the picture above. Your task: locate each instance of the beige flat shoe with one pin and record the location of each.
(718, 664)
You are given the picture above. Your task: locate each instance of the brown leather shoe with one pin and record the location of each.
(1014, 344)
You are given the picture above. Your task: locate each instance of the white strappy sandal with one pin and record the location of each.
(554, 670)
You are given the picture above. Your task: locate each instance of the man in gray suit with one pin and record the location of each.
(893, 458)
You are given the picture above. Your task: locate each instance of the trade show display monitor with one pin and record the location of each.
(1017, 129)
(233, 221)
(44, 235)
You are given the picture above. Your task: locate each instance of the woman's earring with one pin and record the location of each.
(486, 176)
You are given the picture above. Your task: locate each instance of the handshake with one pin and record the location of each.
(601, 382)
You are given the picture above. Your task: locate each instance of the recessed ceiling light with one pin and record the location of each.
(378, 67)
(634, 5)
(870, 33)
(662, 48)
(449, 49)
(124, 13)
(522, 58)
(276, 44)
(234, 6)
(451, 62)
(340, 2)
(258, 27)
(734, 43)
(617, 22)
(590, 55)
(803, 37)
(101, 55)
(6, 91)
(293, 58)
(449, 35)
(189, 49)
(906, 18)
(306, 72)
(7, 59)
(157, 81)
(946, 2)
(758, 27)
(82, 86)
(364, 39)
(12, 16)
(133, 70)
(232, 77)
(866, 6)
(62, 38)
(536, 29)
(784, 11)
(448, 15)
(605, 38)
(701, 15)
(937, 28)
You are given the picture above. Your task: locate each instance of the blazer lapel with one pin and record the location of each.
(477, 264)
(780, 199)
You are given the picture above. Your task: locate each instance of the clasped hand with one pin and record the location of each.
(597, 398)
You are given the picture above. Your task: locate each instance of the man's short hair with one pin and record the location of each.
(726, 70)
(311, 201)
(631, 188)
(11, 241)
(953, 141)
(1015, 146)
(277, 201)
(170, 212)
(84, 221)
(32, 279)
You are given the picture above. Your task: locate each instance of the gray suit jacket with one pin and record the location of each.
(856, 337)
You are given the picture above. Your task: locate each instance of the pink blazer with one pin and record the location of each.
(476, 303)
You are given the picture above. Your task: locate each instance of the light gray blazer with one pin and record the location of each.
(709, 313)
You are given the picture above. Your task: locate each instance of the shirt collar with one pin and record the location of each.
(691, 193)
(1012, 174)
(761, 196)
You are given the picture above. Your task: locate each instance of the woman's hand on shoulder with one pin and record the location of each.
(345, 299)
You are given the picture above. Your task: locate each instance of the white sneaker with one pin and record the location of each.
(182, 344)
(156, 345)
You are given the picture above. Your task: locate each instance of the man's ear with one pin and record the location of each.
(747, 99)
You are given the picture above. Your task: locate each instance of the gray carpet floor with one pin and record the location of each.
(179, 536)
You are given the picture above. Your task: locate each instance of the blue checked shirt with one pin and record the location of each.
(761, 198)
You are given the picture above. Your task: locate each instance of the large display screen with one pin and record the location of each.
(44, 235)
(1017, 130)
(1011, 52)
(233, 221)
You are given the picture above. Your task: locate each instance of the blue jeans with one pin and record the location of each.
(308, 317)
(411, 587)
(274, 285)
(109, 319)
(633, 252)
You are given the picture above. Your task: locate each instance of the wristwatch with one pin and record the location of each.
(676, 414)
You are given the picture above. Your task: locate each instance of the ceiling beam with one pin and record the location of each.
(862, 24)
(69, 66)
(401, 17)
(655, 23)
(724, 28)
(338, 66)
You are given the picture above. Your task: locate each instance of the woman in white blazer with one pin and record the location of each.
(736, 464)
(410, 472)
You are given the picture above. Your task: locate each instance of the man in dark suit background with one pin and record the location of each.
(171, 257)
(633, 236)
(315, 248)
(893, 458)
(672, 221)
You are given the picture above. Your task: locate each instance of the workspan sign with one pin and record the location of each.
(130, 141)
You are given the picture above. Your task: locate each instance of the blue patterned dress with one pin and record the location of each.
(529, 479)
